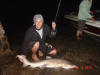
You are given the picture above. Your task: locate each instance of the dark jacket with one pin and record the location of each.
(32, 36)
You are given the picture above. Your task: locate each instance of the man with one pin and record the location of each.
(35, 37)
(83, 15)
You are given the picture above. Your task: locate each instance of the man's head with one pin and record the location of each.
(38, 21)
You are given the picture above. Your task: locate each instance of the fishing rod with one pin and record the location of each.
(55, 19)
(57, 10)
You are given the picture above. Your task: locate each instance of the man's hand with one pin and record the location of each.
(93, 19)
(53, 25)
(92, 12)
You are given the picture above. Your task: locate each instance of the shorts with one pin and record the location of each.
(46, 48)
(81, 24)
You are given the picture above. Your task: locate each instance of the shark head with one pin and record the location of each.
(23, 59)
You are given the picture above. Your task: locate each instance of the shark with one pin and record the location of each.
(48, 63)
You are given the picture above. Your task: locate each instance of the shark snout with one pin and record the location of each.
(21, 58)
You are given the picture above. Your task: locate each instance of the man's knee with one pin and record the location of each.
(40, 53)
(53, 52)
(35, 47)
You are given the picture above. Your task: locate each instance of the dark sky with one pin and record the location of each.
(17, 14)
(15, 8)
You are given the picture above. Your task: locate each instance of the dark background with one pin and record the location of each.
(17, 15)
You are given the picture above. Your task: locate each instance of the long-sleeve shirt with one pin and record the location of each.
(84, 10)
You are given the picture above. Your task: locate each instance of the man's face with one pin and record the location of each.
(89, 0)
(38, 23)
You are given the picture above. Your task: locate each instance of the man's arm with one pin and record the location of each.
(26, 41)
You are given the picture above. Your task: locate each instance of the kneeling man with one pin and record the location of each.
(35, 37)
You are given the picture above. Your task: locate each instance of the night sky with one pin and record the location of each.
(17, 15)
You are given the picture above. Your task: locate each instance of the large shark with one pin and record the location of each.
(49, 63)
